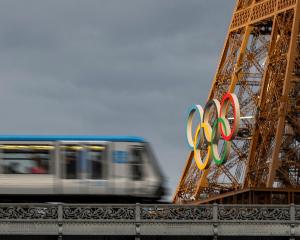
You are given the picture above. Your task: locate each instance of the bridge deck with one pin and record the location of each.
(149, 220)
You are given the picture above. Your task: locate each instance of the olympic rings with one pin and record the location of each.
(205, 134)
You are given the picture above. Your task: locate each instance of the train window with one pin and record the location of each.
(136, 163)
(96, 159)
(71, 156)
(26, 159)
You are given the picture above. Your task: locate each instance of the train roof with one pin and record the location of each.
(70, 138)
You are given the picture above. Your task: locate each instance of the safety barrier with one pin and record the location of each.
(149, 220)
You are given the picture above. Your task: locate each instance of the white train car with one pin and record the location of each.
(78, 169)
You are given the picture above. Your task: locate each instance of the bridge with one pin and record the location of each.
(148, 221)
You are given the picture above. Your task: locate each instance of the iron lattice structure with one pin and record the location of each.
(260, 63)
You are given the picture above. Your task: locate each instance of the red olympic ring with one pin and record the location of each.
(211, 135)
(236, 115)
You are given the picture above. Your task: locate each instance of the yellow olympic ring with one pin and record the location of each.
(197, 152)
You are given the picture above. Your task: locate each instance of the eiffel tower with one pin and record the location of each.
(260, 64)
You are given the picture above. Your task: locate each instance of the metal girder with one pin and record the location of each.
(260, 63)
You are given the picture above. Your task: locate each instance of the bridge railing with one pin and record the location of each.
(149, 220)
(148, 212)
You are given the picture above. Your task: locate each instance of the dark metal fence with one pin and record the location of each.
(146, 213)
(150, 220)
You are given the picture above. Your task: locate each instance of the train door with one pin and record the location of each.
(72, 168)
(97, 168)
(121, 182)
(137, 162)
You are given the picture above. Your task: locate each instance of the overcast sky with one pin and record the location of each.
(110, 67)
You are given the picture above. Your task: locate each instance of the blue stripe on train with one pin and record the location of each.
(70, 138)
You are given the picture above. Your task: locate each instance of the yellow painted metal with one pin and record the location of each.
(284, 100)
(260, 63)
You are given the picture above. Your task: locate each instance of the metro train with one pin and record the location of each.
(78, 169)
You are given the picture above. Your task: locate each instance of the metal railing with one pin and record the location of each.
(148, 212)
(149, 219)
